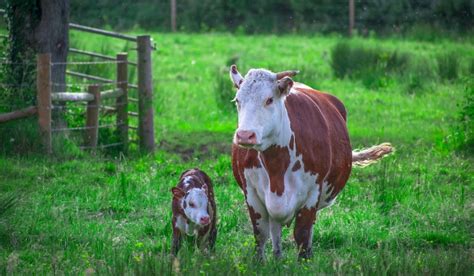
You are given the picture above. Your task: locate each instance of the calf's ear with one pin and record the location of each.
(284, 85)
(235, 76)
(177, 193)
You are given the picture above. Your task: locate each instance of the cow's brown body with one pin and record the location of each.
(320, 137)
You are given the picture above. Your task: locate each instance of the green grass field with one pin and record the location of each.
(409, 214)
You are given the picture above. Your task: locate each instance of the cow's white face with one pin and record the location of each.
(260, 106)
(194, 204)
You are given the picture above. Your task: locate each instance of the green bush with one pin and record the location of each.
(448, 65)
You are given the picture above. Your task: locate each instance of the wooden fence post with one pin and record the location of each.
(92, 118)
(351, 16)
(145, 95)
(173, 15)
(43, 90)
(122, 101)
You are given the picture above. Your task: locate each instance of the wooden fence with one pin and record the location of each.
(94, 95)
(145, 80)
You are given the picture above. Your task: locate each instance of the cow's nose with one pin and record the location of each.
(205, 220)
(245, 137)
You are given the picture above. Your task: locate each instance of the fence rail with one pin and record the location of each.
(113, 93)
(97, 55)
(18, 114)
(96, 78)
(102, 32)
(89, 77)
(72, 97)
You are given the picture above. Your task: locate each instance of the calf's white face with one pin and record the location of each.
(194, 204)
(260, 106)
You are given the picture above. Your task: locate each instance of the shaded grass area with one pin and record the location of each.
(409, 214)
(196, 145)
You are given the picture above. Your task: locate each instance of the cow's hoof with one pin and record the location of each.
(305, 254)
(278, 255)
(260, 258)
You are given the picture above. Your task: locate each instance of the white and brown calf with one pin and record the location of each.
(291, 154)
(194, 209)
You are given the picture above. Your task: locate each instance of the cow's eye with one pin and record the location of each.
(269, 101)
(192, 205)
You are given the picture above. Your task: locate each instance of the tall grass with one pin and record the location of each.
(377, 67)
(374, 66)
(462, 136)
(448, 65)
(224, 92)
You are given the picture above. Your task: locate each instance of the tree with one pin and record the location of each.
(36, 26)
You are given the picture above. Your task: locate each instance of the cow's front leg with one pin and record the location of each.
(303, 231)
(259, 218)
(275, 234)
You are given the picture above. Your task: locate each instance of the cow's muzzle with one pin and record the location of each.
(246, 138)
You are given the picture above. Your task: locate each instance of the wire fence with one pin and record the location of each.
(112, 106)
(85, 127)
(102, 146)
(88, 62)
(83, 70)
(5, 61)
(85, 84)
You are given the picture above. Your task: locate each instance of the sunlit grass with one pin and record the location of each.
(410, 214)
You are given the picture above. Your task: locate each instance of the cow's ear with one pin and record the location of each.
(178, 193)
(235, 76)
(284, 85)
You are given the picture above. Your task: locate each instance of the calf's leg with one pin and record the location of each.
(212, 237)
(176, 240)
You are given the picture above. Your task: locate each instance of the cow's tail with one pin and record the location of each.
(371, 155)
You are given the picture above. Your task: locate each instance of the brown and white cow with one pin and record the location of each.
(194, 209)
(291, 154)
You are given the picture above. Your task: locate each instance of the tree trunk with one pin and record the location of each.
(52, 36)
(39, 26)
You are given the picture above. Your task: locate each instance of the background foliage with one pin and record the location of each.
(278, 16)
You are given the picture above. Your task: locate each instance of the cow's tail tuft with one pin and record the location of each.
(371, 155)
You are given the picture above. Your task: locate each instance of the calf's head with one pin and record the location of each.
(194, 203)
(260, 105)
